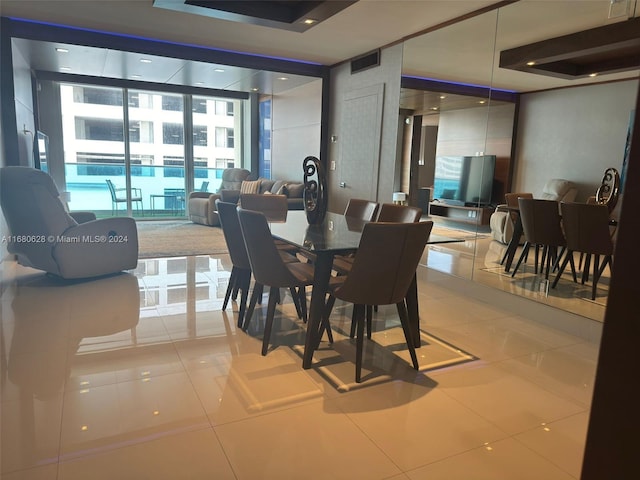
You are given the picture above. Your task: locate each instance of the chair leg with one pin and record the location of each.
(404, 320)
(359, 316)
(296, 301)
(562, 267)
(302, 298)
(255, 296)
(596, 276)
(231, 287)
(244, 281)
(523, 255)
(268, 326)
(369, 320)
(326, 326)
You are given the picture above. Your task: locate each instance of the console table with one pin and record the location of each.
(457, 213)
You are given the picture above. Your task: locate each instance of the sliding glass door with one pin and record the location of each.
(172, 144)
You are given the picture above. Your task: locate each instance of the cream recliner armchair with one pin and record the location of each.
(43, 235)
(202, 205)
(501, 220)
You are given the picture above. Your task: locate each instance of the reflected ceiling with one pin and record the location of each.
(361, 27)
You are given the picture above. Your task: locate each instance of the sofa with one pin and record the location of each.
(202, 205)
(501, 223)
(294, 191)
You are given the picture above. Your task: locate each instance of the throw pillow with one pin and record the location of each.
(250, 186)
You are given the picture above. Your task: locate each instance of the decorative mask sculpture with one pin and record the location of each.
(609, 190)
(315, 191)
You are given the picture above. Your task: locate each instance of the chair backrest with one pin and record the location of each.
(511, 199)
(391, 212)
(232, 178)
(541, 221)
(32, 208)
(112, 190)
(363, 209)
(274, 207)
(586, 228)
(228, 216)
(267, 265)
(385, 262)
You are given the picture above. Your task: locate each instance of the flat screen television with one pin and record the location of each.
(466, 181)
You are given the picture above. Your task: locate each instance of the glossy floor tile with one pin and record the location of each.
(142, 375)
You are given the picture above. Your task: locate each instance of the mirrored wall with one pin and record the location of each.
(460, 103)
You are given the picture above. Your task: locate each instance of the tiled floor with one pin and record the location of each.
(142, 375)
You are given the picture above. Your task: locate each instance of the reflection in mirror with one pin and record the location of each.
(562, 136)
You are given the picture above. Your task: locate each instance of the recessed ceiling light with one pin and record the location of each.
(254, 89)
(442, 97)
(145, 60)
(482, 102)
(434, 108)
(199, 83)
(531, 64)
(219, 70)
(62, 50)
(309, 21)
(283, 78)
(65, 69)
(135, 76)
(593, 74)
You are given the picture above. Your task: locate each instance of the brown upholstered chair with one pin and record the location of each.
(270, 270)
(502, 220)
(240, 279)
(543, 230)
(383, 269)
(391, 212)
(274, 207)
(363, 209)
(586, 228)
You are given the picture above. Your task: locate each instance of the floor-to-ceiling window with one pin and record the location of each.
(147, 169)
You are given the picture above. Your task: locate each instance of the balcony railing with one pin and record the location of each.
(161, 189)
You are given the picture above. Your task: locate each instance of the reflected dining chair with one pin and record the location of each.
(542, 228)
(269, 269)
(383, 270)
(586, 228)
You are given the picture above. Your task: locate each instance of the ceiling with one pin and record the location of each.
(466, 51)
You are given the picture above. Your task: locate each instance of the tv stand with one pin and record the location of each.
(459, 213)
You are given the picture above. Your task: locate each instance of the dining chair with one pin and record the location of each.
(389, 212)
(586, 228)
(117, 197)
(240, 279)
(274, 207)
(269, 269)
(362, 209)
(542, 228)
(383, 269)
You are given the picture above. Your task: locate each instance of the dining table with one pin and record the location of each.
(337, 234)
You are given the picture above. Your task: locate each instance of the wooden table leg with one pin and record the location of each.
(323, 264)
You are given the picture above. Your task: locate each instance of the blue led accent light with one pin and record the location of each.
(462, 84)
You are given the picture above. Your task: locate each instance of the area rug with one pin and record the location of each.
(178, 238)
(385, 358)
